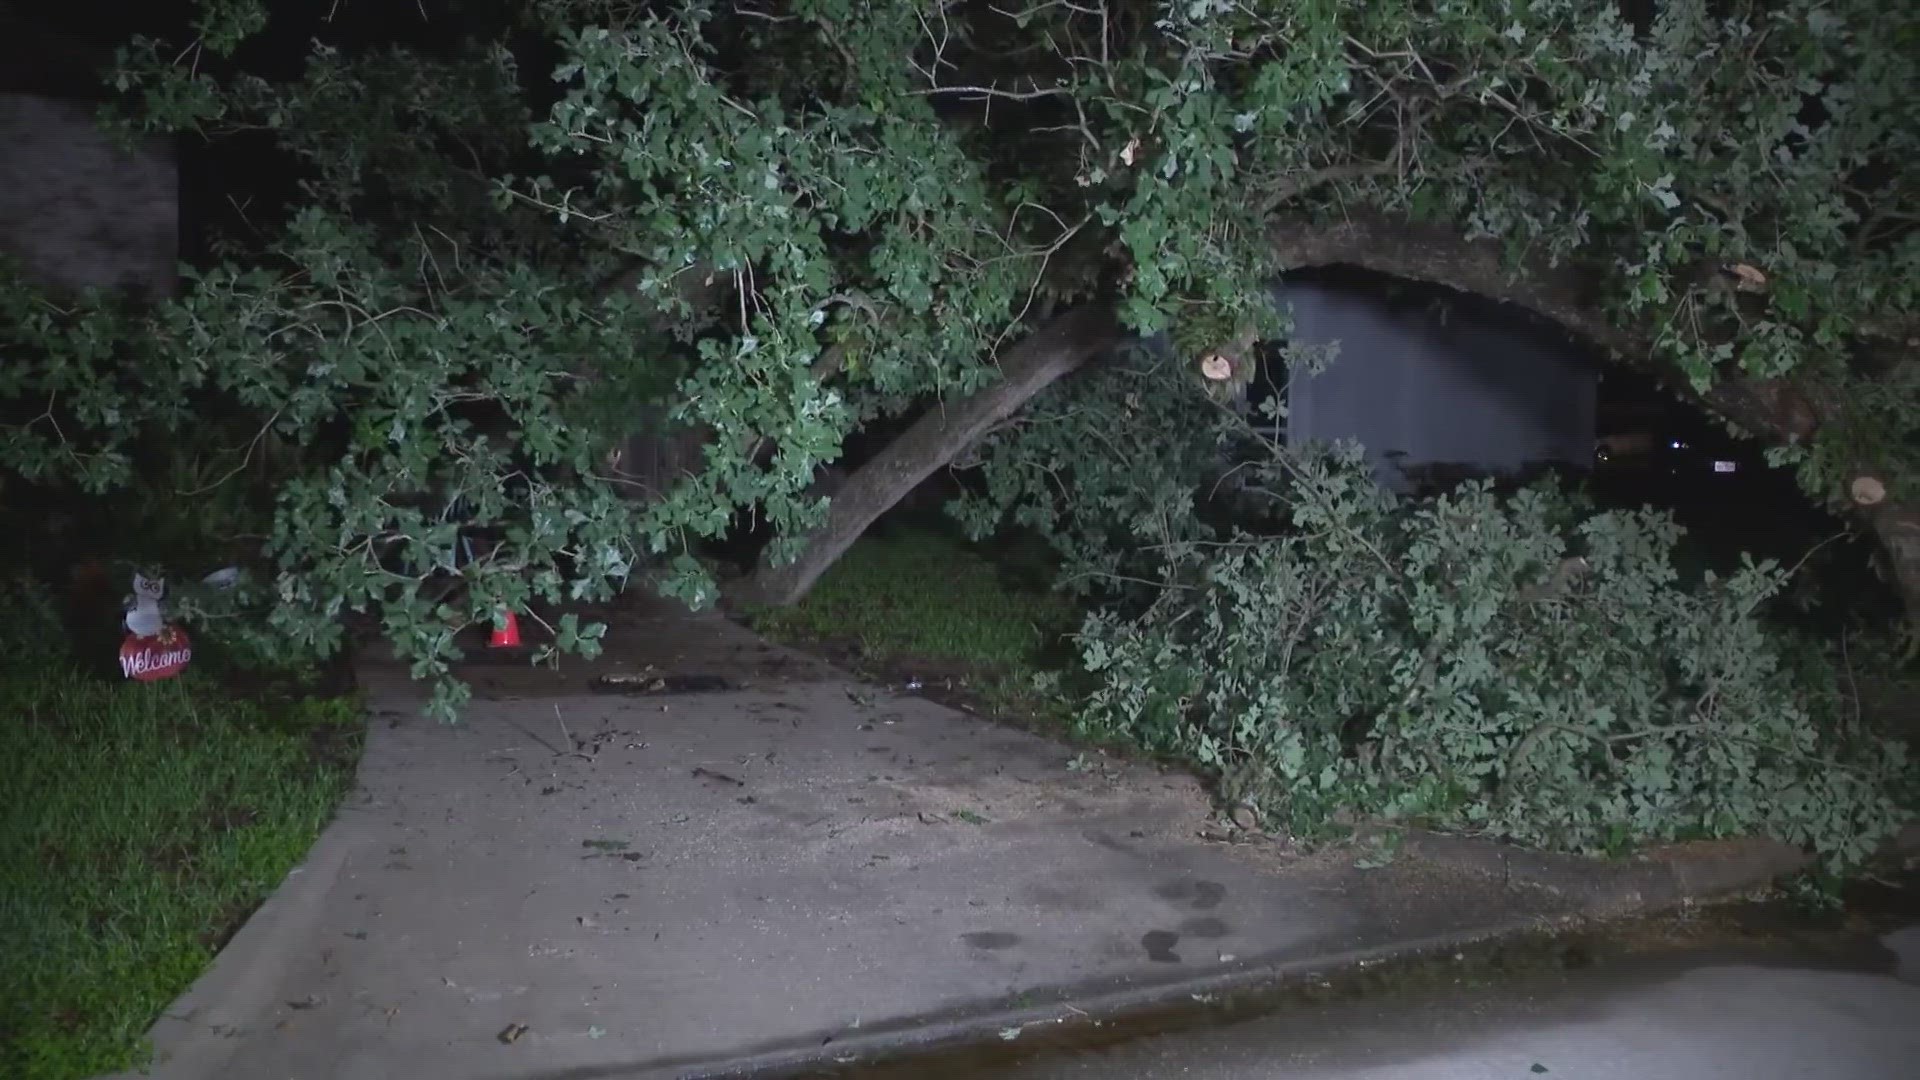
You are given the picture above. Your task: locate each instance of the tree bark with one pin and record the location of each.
(1777, 409)
(1897, 526)
(1049, 354)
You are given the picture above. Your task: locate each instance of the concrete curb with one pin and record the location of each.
(1075, 1009)
(1661, 879)
(1596, 889)
(1601, 888)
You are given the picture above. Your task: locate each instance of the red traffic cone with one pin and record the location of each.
(506, 635)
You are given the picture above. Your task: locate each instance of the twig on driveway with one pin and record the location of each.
(556, 751)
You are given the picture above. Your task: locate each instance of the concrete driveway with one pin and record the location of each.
(578, 883)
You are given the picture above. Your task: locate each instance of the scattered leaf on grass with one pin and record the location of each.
(969, 817)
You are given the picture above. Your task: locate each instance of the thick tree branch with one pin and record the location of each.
(1442, 256)
(1774, 408)
(1051, 353)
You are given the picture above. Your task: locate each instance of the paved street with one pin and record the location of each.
(1769, 1016)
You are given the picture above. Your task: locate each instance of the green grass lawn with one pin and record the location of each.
(924, 596)
(140, 824)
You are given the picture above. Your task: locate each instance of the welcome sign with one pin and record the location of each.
(159, 656)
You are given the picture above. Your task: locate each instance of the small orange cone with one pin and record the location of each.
(506, 635)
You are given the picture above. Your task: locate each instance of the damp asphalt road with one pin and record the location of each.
(1756, 1014)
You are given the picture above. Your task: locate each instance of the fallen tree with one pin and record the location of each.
(1811, 388)
(1518, 667)
(515, 227)
(1055, 351)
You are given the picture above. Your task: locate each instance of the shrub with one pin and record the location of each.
(31, 633)
(1517, 667)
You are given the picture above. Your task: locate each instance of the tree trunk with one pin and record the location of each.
(1051, 353)
(1776, 409)
(1898, 527)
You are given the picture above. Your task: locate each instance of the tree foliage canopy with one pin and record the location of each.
(1517, 667)
(506, 225)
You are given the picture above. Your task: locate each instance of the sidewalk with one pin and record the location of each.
(580, 884)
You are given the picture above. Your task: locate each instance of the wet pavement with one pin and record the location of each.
(1665, 1000)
